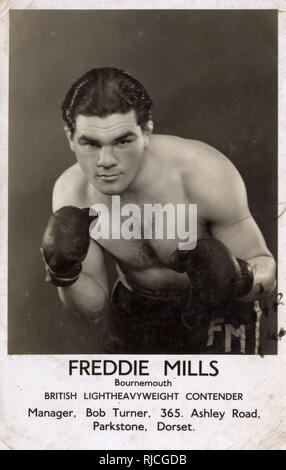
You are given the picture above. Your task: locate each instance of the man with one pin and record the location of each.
(167, 300)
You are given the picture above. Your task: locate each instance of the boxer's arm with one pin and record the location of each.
(245, 241)
(225, 209)
(90, 293)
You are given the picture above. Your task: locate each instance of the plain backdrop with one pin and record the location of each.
(212, 76)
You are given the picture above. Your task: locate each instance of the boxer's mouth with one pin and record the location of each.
(112, 177)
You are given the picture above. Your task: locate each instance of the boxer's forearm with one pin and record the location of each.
(264, 271)
(86, 296)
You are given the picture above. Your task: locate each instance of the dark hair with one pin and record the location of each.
(104, 91)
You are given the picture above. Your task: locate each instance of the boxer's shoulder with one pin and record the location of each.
(204, 162)
(199, 163)
(208, 177)
(217, 187)
(194, 157)
(72, 188)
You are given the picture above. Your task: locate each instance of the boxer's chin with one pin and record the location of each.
(109, 187)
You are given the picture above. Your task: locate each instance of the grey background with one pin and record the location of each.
(212, 76)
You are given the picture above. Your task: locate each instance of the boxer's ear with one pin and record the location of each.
(148, 128)
(69, 137)
(147, 131)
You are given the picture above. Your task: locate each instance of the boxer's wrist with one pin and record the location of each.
(245, 282)
(63, 278)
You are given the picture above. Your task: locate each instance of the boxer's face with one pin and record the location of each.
(110, 150)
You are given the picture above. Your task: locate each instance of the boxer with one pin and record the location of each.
(166, 300)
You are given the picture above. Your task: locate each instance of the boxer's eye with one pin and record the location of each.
(124, 142)
(90, 144)
(93, 145)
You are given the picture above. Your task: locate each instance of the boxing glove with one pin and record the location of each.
(216, 276)
(65, 244)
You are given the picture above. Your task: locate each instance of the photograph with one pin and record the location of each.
(143, 182)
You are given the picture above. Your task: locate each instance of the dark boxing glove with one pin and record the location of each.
(216, 276)
(65, 244)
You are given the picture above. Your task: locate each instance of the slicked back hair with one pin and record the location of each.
(104, 91)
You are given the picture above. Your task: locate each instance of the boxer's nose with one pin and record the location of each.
(106, 157)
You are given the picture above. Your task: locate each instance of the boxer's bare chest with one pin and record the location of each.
(143, 234)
